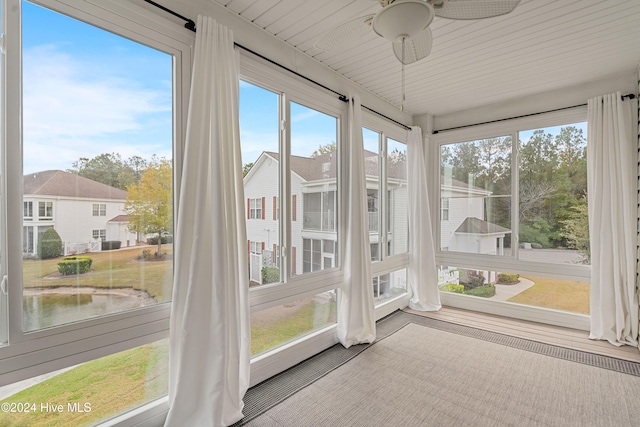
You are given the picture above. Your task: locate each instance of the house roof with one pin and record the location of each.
(324, 166)
(478, 226)
(120, 218)
(65, 184)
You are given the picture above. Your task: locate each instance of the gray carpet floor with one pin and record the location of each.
(425, 372)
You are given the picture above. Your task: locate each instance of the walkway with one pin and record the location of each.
(505, 292)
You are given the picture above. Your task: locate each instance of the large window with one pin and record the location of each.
(291, 155)
(387, 205)
(94, 114)
(513, 220)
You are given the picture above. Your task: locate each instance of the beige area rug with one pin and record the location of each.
(421, 376)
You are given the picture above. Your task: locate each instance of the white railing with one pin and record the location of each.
(445, 276)
(74, 248)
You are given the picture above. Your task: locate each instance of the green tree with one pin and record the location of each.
(246, 168)
(149, 202)
(323, 149)
(576, 229)
(49, 244)
(110, 169)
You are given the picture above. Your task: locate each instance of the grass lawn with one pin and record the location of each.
(112, 385)
(310, 317)
(559, 294)
(110, 269)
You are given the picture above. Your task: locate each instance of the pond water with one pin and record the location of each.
(50, 309)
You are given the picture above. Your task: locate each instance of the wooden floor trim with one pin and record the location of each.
(554, 335)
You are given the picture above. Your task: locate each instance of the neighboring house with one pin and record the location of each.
(82, 211)
(463, 229)
(314, 211)
(462, 224)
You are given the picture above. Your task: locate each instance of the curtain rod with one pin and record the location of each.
(629, 95)
(192, 26)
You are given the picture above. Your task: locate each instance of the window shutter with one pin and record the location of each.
(275, 207)
(263, 208)
(293, 207)
(293, 260)
(248, 208)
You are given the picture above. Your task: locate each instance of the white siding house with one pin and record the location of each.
(462, 224)
(83, 212)
(314, 236)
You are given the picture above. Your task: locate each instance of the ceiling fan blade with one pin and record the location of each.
(345, 32)
(472, 9)
(415, 48)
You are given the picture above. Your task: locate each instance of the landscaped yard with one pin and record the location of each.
(119, 382)
(558, 294)
(110, 269)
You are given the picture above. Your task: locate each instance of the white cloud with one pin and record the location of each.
(73, 110)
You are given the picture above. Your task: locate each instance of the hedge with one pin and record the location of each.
(508, 278)
(74, 265)
(450, 287)
(486, 291)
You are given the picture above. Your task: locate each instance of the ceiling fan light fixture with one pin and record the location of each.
(403, 19)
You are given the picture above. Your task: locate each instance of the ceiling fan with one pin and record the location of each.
(405, 23)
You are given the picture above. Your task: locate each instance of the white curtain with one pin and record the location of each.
(209, 344)
(423, 275)
(356, 320)
(612, 194)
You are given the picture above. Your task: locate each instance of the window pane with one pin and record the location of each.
(279, 325)
(476, 178)
(90, 392)
(371, 141)
(111, 150)
(397, 206)
(553, 195)
(545, 292)
(260, 160)
(389, 285)
(314, 165)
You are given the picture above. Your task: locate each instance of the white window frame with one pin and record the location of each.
(47, 206)
(386, 263)
(27, 210)
(39, 352)
(255, 208)
(99, 234)
(300, 286)
(99, 209)
(505, 263)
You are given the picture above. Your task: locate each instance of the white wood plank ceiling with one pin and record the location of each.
(541, 46)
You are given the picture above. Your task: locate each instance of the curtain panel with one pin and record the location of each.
(423, 274)
(612, 205)
(356, 319)
(210, 337)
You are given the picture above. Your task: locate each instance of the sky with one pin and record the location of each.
(87, 91)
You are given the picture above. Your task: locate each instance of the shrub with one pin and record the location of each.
(471, 279)
(108, 245)
(74, 265)
(147, 255)
(450, 287)
(485, 291)
(49, 244)
(153, 241)
(270, 275)
(508, 278)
